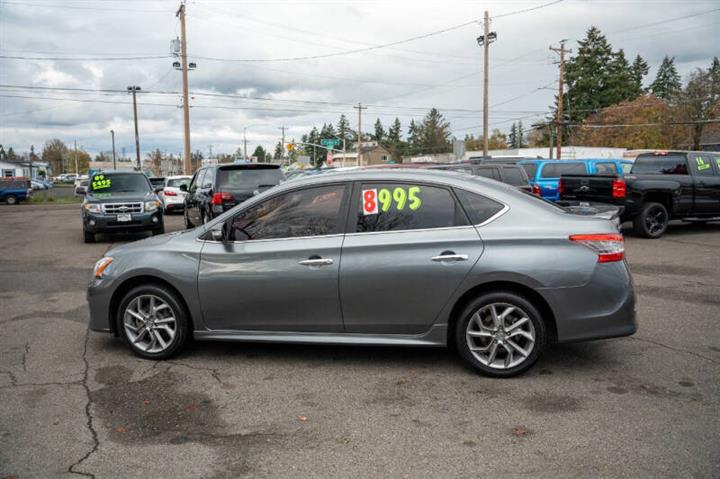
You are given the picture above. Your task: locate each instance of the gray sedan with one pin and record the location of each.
(375, 257)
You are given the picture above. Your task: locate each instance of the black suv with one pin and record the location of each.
(121, 201)
(215, 189)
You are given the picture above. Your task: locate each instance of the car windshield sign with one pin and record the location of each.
(119, 183)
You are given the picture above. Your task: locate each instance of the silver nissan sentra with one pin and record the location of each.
(375, 257)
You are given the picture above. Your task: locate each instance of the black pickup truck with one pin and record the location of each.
(661, 186)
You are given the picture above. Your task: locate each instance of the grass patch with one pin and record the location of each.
(40, 198)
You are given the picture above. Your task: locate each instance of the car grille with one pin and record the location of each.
(120, 208)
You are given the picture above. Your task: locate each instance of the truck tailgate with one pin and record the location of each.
(594, 188)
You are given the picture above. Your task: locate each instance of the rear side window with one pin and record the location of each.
(626, 168)
(673, 164)
(702, 164)
(716, 159)
(606, 168)
(530, 169)
(479, 208)
(556, 170)
(491, 173)
(405, 206)
(207, 180)
(515, 177)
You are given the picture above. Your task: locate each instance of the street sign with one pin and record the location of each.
(329, 142)
(290, 146)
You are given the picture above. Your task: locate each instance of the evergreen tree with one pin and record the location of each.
(2, 153)
(667, 81)
(343, 131)
(714, 73)
(278, 151)
(513, 136)
(259, 153)
(413, 138)
(434, 133)
(379, 131)
(620, 85)
(394, 132)
(638, 70)
(521, 135)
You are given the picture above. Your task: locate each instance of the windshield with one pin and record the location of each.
(248, 179)
(176, 182)
(119, 183)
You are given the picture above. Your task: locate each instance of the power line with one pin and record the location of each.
(95, 59)
(526, 10)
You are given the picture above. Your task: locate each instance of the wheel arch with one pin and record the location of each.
(548, 316)
(143, 280)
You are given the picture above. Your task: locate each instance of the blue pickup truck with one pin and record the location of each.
(14, 189)
(544, 175)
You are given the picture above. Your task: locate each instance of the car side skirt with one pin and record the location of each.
(435, 337)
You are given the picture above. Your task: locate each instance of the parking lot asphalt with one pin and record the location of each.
(79, 402)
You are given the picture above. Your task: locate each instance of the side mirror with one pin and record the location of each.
(219, 233)
(159, 189)
(183, 187)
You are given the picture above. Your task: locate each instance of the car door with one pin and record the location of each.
(205, 192)
(278, 270)
(192, 212)
(408, 247)
(707, 183)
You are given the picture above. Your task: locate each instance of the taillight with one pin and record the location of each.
(609, 247)
(561, 187)
(169, 193)
(221, 197)
(619, 189)
(536, 190)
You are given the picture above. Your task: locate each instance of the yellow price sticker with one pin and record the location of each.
(100, 182)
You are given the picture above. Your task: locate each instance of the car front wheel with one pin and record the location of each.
(153, 322)
(500, 334)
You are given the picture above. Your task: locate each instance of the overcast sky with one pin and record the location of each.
(442, 70)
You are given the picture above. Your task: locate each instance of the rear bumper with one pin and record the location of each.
(602, 308)
(99, 223)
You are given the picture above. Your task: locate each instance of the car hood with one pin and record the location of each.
(147, 243)
(120, 197)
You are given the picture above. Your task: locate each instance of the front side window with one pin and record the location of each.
(207, 181)
(491, 173)
(556, 170)
(197, 179)
(626, 168)
(672, 164)
(309, 212)
(702, 164)
(405, 206)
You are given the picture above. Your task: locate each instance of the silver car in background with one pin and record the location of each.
(375, 257)
(172, 197)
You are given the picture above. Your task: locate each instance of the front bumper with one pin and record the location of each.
(602, 308)
(101, 223)
(99, 294)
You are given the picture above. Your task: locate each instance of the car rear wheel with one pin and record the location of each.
(500, 334)
(11, 200)
(88, 237)
(652, 222)
(152, 322)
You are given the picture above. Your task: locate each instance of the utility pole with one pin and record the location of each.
(560, 120)
(282, 145)
(112, 134)
(245, 143)
(77, 172)
(484, 41)
(134, 89)
(359, 108)
(209, 151)
(186, 103)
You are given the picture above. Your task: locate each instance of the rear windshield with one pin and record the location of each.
(176, 182)
(556, 170)
(119, 183)
(248, 179)
(514, 177)
(672, 164)
(157, 181)
(530, 169)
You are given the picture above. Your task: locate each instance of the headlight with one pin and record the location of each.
(101, 266)
(93, 207)
(152, 205)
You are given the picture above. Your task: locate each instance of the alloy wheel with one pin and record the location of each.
(500, 335)
(655, 220)
(149, 323)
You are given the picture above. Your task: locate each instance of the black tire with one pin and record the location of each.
(535, 325)
(652, 222)
(182, 322)
(11, 200)
(88, 237)
(159, 230)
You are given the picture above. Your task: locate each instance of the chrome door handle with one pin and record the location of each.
(450, 257)
(316, 262)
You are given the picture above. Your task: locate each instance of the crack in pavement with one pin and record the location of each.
(213, 372)
(679, 350)
(24, 356)
(88, 415)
